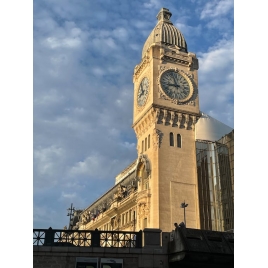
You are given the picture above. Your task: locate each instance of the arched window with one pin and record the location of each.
(148, 141)
(179, 140)
(171, 139)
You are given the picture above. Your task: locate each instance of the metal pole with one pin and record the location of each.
(184, 215)
(71, 210)
(70, 213)
(183, 205)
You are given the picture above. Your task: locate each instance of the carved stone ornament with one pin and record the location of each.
(143, 159)
(146, 122)
(157, 138)
(186, 122)
(142, 211)
(179, 119)
(119, 195)
(157, 114)
(172, 117)
(172, 54)
(193, 122)
(139, 68)
(165, 116)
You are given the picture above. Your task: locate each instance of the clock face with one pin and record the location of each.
(175, 86)
(143, 91)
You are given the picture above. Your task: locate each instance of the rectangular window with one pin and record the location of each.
(127, 217)
(149, 142)
(171, 139)
(145, 144)
(178, 140)
(142, 146)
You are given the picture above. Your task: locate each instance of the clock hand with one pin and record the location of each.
(141, 92)
(174, 85)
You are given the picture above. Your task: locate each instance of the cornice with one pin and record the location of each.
(160, 115)
(172, 54)
(140, 67)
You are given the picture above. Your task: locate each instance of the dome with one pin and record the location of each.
(165, 32)
(210, 129)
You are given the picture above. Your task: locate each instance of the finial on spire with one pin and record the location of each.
(164, 15)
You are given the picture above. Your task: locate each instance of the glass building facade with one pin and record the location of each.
(215, 171)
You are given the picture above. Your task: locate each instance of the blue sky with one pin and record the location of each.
(84, 54)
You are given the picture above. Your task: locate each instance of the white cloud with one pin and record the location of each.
(135, 47)
(120, 33)
(46, 158)
(128, 145)
(88, 166)
(70, 196)
(218, 57)
(49, 97)
(189, 30)
(216, 8)
(54, 42)
(104, 45)
(98, 71)
(216, 81)
(220, 23)
(152, 4)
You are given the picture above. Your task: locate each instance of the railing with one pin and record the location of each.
(86, 238)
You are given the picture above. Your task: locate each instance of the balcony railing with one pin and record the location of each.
(86, 238)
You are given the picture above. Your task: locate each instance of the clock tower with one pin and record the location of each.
(166, 109)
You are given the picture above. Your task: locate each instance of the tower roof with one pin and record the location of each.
(209, 128)
(165, 32)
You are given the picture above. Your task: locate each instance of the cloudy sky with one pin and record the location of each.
(84, 53)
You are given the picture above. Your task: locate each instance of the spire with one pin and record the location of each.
(164, 15)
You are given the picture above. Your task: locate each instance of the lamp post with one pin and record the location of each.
(70, 213)
(183, 205)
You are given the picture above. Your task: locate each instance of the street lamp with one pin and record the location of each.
(71, 214)
(183, 205)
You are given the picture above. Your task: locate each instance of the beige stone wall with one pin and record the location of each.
(178, 182)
